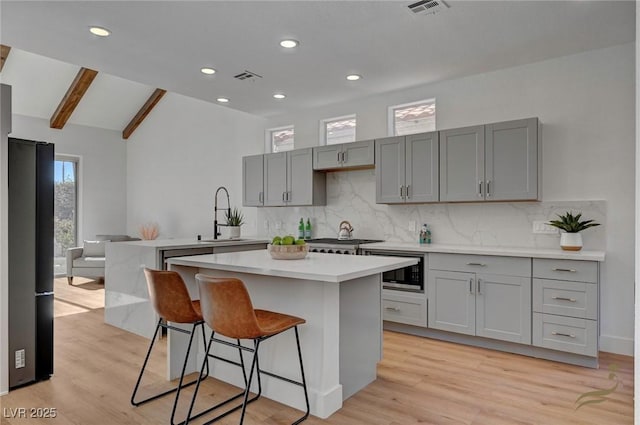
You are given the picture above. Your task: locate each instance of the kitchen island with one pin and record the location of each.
(126, 296)
(338, 296)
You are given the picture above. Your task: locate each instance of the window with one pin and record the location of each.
(338, 130)
(411, 118)
(65, 210)
(280, 139)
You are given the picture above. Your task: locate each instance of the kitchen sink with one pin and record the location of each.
(226, 240)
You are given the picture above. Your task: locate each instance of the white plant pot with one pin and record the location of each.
(234, 232)
(571, 241)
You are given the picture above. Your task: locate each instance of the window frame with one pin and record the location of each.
(391, 121)
(323, 128)
(268, 137)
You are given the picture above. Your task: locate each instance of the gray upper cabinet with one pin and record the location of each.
(345, 155)
(252, 178)
(494, 162)
(511, 158)
(462, 164)
(289, 179)
(407, 168)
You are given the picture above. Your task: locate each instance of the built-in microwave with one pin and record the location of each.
(410, 278)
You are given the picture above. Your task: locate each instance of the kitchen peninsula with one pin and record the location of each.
(126, 297)
(337, 295)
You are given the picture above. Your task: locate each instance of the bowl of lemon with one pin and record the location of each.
(287, 248)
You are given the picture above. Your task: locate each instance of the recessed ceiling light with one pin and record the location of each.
(222, 100)
(289, 44)
(353, 77)
(208, 71)
(99, 31)
(279, 96)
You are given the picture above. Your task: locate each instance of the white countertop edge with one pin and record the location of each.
(487, 250)
(208, 262)
(193, 243)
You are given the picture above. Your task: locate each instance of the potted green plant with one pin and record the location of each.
(235, 219)
(571, 239)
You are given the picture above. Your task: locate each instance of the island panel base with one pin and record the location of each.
(341, 340)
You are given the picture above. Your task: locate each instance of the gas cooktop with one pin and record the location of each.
(335, 241)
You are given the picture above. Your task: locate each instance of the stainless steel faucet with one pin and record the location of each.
(215, 212)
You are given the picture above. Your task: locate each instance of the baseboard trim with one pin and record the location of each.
(616, 345)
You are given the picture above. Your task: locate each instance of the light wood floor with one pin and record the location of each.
(419, 381)
(84, 295)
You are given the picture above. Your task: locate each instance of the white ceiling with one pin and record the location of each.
(165, 43)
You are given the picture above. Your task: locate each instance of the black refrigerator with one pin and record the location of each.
(31, 203)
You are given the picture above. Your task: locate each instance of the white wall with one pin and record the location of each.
(179, 156)
(102, 174)
(5, 129)
(586, 104)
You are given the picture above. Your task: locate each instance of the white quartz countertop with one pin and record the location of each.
(487, 250)
(194, 243)
(315, 266)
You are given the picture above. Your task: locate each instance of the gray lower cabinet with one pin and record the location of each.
(565, 305)
(407, 169)
(484, 303)
(404, 307)
(493, 162)
(289, 179)
(252, 179)
(346, 155)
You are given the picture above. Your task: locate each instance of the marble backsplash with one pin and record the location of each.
(351, 196)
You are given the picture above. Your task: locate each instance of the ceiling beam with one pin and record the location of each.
(143, 112)
(70, 100)
(4, 53)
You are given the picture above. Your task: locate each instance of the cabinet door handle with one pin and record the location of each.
(338, 157)
(476, 264)
(563, 334)
(471, 285)
(480, 188)
(555, 269)
(488, 188)
(402, 192)
(392, 308)
(261, 197)
(564, 299)
(344, 157)
(289, 196)
(408, 191)
(284, 196)
(478, 286)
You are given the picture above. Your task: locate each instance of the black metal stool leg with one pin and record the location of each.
(184, 368)
(246, 391)
(205, 363)
(304, 381)
(144, 365)
(181, 384)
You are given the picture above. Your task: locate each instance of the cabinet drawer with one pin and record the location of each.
(512, 266)
(573, 299)
(579, 336)
(574, 270)
(404, 308)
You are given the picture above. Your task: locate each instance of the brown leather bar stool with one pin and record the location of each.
(171, 301)
(228, 311)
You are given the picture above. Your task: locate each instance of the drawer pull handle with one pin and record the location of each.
(392, 308)
(562, 334)
(555, 269)
(476, 264)
(564, 299)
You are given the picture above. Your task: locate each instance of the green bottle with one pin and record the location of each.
(301, 229)
(307, 230)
